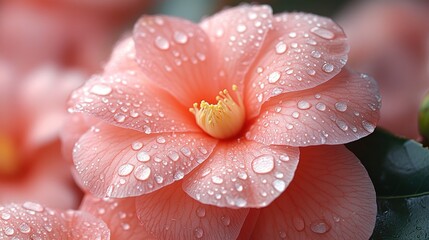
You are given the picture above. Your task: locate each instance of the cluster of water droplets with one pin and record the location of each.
(265, 172)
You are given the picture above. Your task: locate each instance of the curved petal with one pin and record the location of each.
(171, 214)
(339, 111)
(117, 162)
(119, 215)
(175, 55)
(125, 99)
(303, 51)
(243, 174)
(34, 221)
(331, 197)
(237, 35)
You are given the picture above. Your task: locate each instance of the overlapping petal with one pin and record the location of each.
(243, 174)
(301, 52)
(171, 214)
(34, 221)
(331, 197)
(119, 215)
(236, 34)
(175, 54)
(339, 111)
(117, 162)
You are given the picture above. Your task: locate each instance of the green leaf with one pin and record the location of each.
(399, 169)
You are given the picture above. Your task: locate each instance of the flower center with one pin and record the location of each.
(222, 120)
(8, 156)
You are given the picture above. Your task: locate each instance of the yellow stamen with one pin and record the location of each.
(222, 120)
(8, 156)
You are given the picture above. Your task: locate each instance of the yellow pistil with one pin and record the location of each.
(222, 120)
(8, 156)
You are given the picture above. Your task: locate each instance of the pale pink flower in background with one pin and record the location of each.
(32, 113)
(279, 84)
(31, 220)
(390, 41)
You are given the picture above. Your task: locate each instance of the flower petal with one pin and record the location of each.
(303, 51)
(117, 162)
(339, 111)
(171, 214)
(331, 197)
(243, 174)
(119, 215)
(127, 100)
(34, 221)
(237, 35)
(174, 54)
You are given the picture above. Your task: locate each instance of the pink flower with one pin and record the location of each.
(279, 84)
(389, 40)
(33, 221)
(31, 165)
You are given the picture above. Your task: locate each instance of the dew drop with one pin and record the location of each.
(303, 105)
(142, 172)
(321, 106)
(240, 202)
(161, 43)
(323, 33)
(252, 15)
(178, 175)
(292, 35)
(159, 179)
(319, 227)
(160, 139)
(282, 235)
(311, 72)
(206, 172)
(198, 232)
(284, 158)
(5, 216)
(226, 220)
(369, 127)
(219, 32)
(274, 77)
(217, 180)
(241, 28)
(341, 106)
(201, 212)
(295, 114)
(174, 156)
(33, 206)
(242, 175)
(180, 37)
(315, 54)
(263, 164)
(136, 146)
(9, 231)
(342, 125)
(185, 151)
(327, 67)
(279, 185)
(126, 226)
(119, 117)
(238, 187)
(101, 90)
(298, 223)
(125, 169)
(143, 156)
(281, 47)
(24, 228)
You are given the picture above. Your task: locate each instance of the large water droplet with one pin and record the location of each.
(143, 156)
(279, 185)
(119, 117)
(327, 67)
(125, 169)
(9, 231)
(319, 227)
(161, 43)
(142, 172)
(281, 47)
(341, 106)
(136, 146)
(303, 105)
(368, 126)
(263, 164)
(321, 106)
(33, 206)
(180, 37)
(198, 232)
(174, 156)
(100, 89)
(240, 202)
(323, 33)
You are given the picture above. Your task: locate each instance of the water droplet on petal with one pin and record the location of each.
(33, 206)
(101, 90)
(198, 232)
(279, 185)
(368, 126)
(160, 139)
(281, 47)
(319, 227)
(284, 157)
(142, 172)
(341, 106)
(178, 175)
(315, 54)
(173, 156)
(263, 164)
(159, 179)
(180, 37)
(303, 105)
(240, 202)
(136, 146)
(5, 216)
(125, 169)
(292, 34)
(143, 156)
(295, 114)
(161, 43)
(298, 223)
(323, 33)
(321, 106)
(226, 220)
(201, 212)
(241, 28)
(242, 175)
(327, 67)
(342, 125)
(24, 228)
(274, 77)
(217, 180)
(9, 231)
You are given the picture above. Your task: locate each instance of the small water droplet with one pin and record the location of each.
(279, 185)
(295, 114)
(180, 37)
(263, 164)
(160, 139)
(178, 175)
(185, 151)
(125, 169)
(274, 77)
(33, 206)
(24, 228)
(198, 232)
(217, 179)
(319, 227)
(303, 105)
(341, 106)
(282, 235)
(281, 47)
(125, 226)
(201, 212)
(119, 117)
(369, 127)
(321, 106)
(159, 179)
(292, 34)
(219, 32)
(9, 231)
(143, 156)
(323, 33)
(240, 202)
(5, 216)
(252, 15)
(311, 72)
(342, 125)
(101, 90)
(315, 54)
(284, 157)
(327, 67)
(136, 146)
(298, 223)
(206, 172)
(142, 172)
(173, 155)
(241, 28)
(161, 43)
(238, 187)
